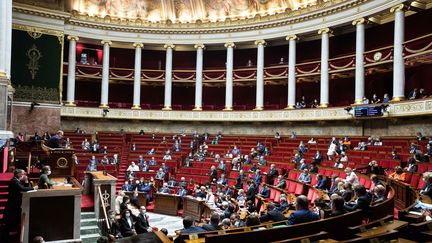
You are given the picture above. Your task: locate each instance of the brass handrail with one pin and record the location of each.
(103, 208)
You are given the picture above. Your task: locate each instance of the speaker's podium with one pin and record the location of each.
(55, 213)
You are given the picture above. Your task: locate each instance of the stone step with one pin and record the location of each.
(87, 230)
(89, 222)
(90, 238)
(88, 215)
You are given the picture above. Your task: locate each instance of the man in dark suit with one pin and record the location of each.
(272, 214)
(363, 200)
(142, 223)
(265, 191)
(427, 190)
(54, 141)
(318, 158)
(214, 223)
(302, 213)
(272, 174)
(12, 214)
(188, 226)
(337, 206)
(257, 177)
(250, 193)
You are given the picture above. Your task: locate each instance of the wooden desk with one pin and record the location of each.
(166, 203)
(53, 213)
(393, 225)
(193, 207)
(107, 185)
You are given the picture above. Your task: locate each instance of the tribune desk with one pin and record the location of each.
(54, 214)
(106, 182)
(166, 203)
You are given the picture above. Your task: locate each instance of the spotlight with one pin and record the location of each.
(33, 104)
(105, 112)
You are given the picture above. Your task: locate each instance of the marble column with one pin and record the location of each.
(199, 77)
(6, 89)
(260, 75)
(291, 71)
(70, 99)
(137, 77)
(105, 73)
(229, 76)
(398, 59)
(359, 61)
(168, 76)
(324, 83)
(5, 24)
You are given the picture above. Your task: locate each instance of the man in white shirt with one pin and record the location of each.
(351, 177)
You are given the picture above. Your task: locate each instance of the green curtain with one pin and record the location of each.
(35, 68)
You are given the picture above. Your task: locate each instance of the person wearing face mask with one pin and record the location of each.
(142, 222)
(44, 181)
(114, 231)
(127, 224)
(12, 213)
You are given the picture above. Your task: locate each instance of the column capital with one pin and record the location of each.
(292, 37)
(103, 42)
(359, 21)
(260, 42)
(399, 7)
(229, 45)
(197, 46)
(138, 45)
(324, 31)
(166, 46)
(72, 37)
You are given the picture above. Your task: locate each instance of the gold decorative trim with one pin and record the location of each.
(292, 37)
(289, 107)
(70, 103)
(72, 37)
(33, 55)
(398, 98)
(260, 42)
(3, 74)
(229, 45)
(358, 102)
(227, 108)
(138, 45)
(323, 105)
(399, 7)
(136, 107)
(324, 31)
(167, 108)
(359, 21)
(166, 46)
(202, 46)
(37, 30)
(197, 108)
(258, 108)
(104, 106)
(103, 42)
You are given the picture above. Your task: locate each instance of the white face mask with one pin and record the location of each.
(49, 172)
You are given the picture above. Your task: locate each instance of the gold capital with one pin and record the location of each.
(138, 45)
(291, 37)
(166, 46)
(106, 42)
(72, 37)
(260, 42)
(229, 45)
(359, 21)
(399, 7)
(324, 31)
(3, 74)
(202, 46)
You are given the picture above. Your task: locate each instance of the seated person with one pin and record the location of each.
(145, 167)
(281, 182)
(172, 182)
(302, 213)
(427, 189)
(379, 194)
(127, 224)
(351, 176)
(318, 158)
(272, 214)
(337, 206)
(265, 191)
(363, 200)
(142, 221)
(313, 168)
(92, 166)
(127, 187)
(85, 145)
(160, 175)
(398, 174)
(188, 226)
(213, 173)
(201, 193)
(321, 182)
(152, 162)
(164, 189)
(222, 180)
(167, 156)
(54, 141)
(115, 159)
(338, 164)
(151, 152)
(262, 161)
(283, 204)
(181, 192)
(44, 181)
(214, 223)
(305, 177)
(132, 168)
(105, 160)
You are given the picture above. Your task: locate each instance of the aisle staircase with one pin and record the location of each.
(4, 182)
(89, 228)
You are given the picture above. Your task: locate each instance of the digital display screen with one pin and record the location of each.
(365, 111)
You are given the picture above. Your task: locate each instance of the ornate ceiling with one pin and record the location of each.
(188, 11)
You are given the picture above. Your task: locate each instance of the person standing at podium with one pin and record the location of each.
(12, 214)
(54, 141)
(44, 181)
